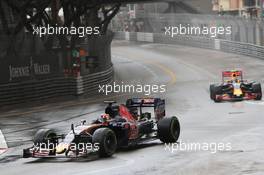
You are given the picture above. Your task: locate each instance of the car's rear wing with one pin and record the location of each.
(232, 74)
(142, 102)
(157, 103)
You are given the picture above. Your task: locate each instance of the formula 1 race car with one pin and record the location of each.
(120, 126)
(234, 88)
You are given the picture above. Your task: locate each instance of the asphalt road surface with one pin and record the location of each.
(187, 73)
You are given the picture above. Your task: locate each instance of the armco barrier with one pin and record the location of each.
(242, 49)
(184, 40)
(90, 83)
(37, 90)
(196, 41)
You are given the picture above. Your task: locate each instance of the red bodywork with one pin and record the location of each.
(124, 113)
(232, 75)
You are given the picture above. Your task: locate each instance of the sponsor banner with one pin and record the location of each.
(28, 67)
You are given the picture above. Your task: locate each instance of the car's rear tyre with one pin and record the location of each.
(169, 129)
(256, 88)
(107, 141)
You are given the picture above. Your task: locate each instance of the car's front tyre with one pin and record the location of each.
(214, 91)
(256, 88)
(45, 136)
(212, 95)
(46, 139)
(107, 141)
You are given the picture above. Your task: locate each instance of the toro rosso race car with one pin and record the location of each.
(120, 126)
(234, 88)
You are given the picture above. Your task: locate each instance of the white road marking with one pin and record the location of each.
(255, 102)
(3, 145)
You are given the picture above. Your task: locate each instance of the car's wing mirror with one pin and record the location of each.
(72, 128)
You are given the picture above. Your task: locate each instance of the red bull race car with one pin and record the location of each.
(120, 126)
(234, 88)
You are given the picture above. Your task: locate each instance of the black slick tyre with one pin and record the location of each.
(106, 140)
(169, 129)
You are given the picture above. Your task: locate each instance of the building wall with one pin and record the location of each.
(204, 6)
(245, 8)
(234, 4)
(224, 5)
(229, 5)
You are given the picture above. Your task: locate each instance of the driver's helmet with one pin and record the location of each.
(134, 112)
(112, 111)
(105, 117)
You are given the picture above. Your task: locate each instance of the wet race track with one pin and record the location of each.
(187, 73)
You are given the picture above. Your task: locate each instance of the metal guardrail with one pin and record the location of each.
(185, 40)
(202, 42)
(89, 84)
(37, 90)
(242, 49)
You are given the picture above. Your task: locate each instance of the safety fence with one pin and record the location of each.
(242, 30)
(37, 90)
(196, 41)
